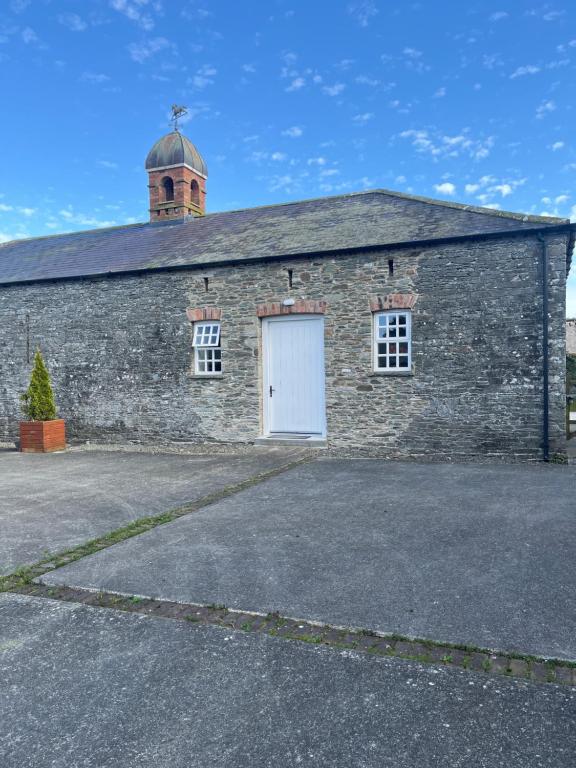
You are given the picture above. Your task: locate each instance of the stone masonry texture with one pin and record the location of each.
(119, 350)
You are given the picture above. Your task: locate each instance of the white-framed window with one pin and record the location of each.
(207, 352)
(392, 341)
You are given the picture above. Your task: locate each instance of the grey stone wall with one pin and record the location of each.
(120, 352)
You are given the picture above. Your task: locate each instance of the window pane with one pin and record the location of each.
(402, 319)
(402, 331)
(392, 348)
(403, 347)
(207, 334)
(392, 320)
(392, 333)
(403, 362)
(392, 362)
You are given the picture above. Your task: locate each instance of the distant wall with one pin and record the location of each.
(120, 352)
(571, 337)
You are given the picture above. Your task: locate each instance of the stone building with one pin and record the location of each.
(375, 323)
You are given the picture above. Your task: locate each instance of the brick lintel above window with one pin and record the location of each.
(393, 301)
(299, 307)
(203, 313)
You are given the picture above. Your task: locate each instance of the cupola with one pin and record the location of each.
(176, 176)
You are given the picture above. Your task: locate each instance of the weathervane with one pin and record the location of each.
(177, 112)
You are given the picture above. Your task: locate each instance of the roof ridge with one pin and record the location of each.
(526, 217)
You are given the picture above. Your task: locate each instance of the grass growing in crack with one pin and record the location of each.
(24, 576)
(247, 626)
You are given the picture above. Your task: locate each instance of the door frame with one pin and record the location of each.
(265, 378)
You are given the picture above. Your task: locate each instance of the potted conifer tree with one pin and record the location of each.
(43, 432)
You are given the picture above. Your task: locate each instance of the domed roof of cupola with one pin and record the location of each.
(175, 149)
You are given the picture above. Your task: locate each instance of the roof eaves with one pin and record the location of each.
(326, 253)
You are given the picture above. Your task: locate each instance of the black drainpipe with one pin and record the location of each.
(545, 385)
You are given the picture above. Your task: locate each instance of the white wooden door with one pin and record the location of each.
(293, 369)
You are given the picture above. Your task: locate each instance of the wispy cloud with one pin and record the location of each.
(499, 16)
(442, 145)
(545, 108)
(96, 78)
(145, 49)
(529, 69)
(294, 132)
(135, 11)
(363, 118)
(203, 77)
(296, 84)
(333, 90)
(363, 12)
(73, 22)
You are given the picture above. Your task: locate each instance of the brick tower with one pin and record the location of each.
(176, 178)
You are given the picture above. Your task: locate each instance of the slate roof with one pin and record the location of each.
(358, 220)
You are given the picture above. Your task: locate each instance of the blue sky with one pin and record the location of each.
(287, 99)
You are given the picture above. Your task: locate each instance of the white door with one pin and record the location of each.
(293, 369)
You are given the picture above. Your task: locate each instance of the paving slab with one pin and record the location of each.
(101, 689)
(51, 502)
(460, 553)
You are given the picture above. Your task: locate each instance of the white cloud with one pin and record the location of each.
(203, 77)
(504, 189)
(363, 11)
(499, 16)
(334, 90)
(139, 52)
(365, 80)
(528, 69)
(471, 188)
(296, 84)
(493, 206)
(107, 164)
(440, 145)
(446, 188)
(316, 161)
(249, 68)
(561, 199)
(363, 118)
(73, 22)
(19, 6)
(94, 77)
(557, 145)
(29, 36)
(278, 156)
(294, 132)
(545, 108)
(134, 11)
(412, 53)
(5, 208)
(440, 93)
(6, 237)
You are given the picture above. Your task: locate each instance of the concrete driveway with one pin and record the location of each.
(465, 553)
(96, 688)
(51, 502)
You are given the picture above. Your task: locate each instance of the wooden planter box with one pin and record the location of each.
(42, 436)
